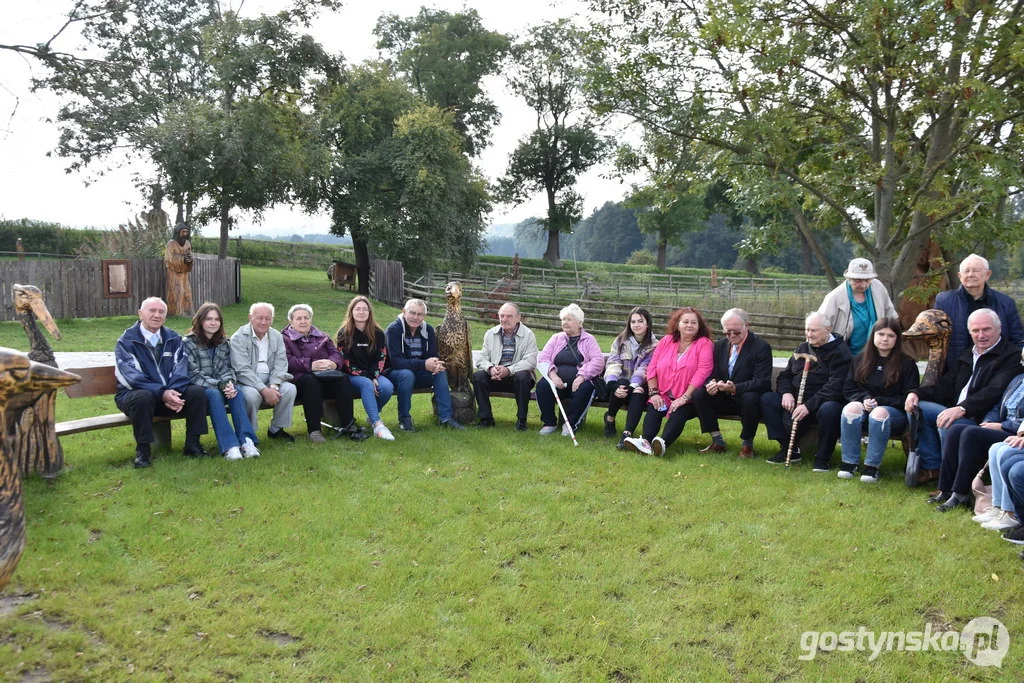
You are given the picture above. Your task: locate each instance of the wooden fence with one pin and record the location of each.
(74, 288)
(387, 281)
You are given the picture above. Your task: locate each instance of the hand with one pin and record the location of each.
(800, 412)
(270, 395)
(173, 400)
(712, 387)
(949, 416)
(376, 389)
(578, 382)
(991, 425)
(622, 391)
(434, 365)
(678, 403)
(911, 403)
(657, 402)
(229, 390)
(322, 364)
(556, 380)
(727, 387)
(788, 402)
(1015, 441)
(870, 404)
(495, 372)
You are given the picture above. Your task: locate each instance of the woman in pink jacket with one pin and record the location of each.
(572, 359)
(681, 364)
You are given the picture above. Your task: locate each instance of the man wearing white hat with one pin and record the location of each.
(855, 306)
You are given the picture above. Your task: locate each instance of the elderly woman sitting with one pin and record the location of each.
(315, 363)
(572, 358)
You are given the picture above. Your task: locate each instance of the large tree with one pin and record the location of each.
(897, 121)
(445, 56)
(548, 73)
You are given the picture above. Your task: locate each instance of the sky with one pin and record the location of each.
(34, 183)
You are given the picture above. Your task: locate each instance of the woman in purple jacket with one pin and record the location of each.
(626, 373)
(571, 360)
(315, 364)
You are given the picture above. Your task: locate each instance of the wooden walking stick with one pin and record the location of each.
(808, 359)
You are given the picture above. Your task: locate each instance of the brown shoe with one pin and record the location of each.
(746, 451)
(713, 448)
(925, 476)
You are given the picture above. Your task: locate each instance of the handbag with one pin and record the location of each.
(600, 389)
(982, 492)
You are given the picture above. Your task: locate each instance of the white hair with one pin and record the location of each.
(974, 257)
(300, 307)
(735, 313)
(820, 317)
(262, 304)
(150, 300)
(996, 322)
(418, 303)
(571, 311)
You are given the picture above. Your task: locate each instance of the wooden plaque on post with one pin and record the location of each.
(117, 279)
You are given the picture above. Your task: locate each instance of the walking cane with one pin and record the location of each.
(808, 359)
(544, 367)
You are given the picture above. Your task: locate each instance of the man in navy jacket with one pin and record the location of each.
(152, 379)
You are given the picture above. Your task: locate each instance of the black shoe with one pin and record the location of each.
(609, 427)
(780, 457)
(452, 423)
(194, 450)
(821, 465)
(1015, 535)
(406, 425)
(282, 435)
(847, 470)
(485, 422)
(353, 432)
(521, 424)
(622, 441)
(954, 501)
(938, 497)
(142, 454)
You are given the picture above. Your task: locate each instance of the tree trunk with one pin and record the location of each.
(750, 265)
(362, 264)
(805, 232)
(662, 255)
(551, 254)
(225, 225)
(805, 250)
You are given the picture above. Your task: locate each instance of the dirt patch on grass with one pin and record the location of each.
(8, 603)
(280, 638)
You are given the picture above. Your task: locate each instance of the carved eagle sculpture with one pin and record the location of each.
(18, 376)
(933, 327)
(30, 306)
(453, 341)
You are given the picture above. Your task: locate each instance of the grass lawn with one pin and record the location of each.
(484, 555)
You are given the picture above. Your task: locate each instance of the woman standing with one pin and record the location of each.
(626, 373)
(682, 362)
(366, 352)
(209, 366)
(572, 358)
(876, 389)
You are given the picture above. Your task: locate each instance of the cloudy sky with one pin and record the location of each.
(35, 185)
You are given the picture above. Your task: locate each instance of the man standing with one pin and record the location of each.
(412, 348)
(178, 260)
(152, 379)
(980, 375)
(823, 394)
(974, 294)
(261, 370)
(742, 372)
(506, 363)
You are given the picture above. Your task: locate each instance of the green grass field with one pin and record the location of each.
(484, 555)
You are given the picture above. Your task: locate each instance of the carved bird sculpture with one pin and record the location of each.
(453, 340)
(18, 376)
(31, 420)
(933, 327)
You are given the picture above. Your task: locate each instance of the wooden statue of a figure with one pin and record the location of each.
(178, 259)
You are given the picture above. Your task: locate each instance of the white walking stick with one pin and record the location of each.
(544, 367)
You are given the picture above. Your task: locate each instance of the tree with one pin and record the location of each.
(609, 234)
(548, 74)
(445, 57)
(894, 121)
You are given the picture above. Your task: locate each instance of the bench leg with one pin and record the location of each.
(162, 432)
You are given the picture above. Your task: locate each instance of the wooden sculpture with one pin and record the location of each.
(933, 327)
(453, 347)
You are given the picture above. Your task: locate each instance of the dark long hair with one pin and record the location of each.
(869, 358)
(628, 332)
(197, 326)
(673, 324)
(347, 331)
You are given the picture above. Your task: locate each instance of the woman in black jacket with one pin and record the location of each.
(880, 379)
(362, 342)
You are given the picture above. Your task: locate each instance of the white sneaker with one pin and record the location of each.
(249, 449)
(988, 515)
(381, 431)
(565, 429)
(548, 431)
(233, 454)
(658, 446)
(1006, 520)
(638, 445)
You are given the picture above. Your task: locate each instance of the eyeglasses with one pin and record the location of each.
(732, 333)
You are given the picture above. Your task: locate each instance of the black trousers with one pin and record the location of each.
(779, 423)
(141, 406)
(747, 405)
(519, 384)
(634, 403)
(673, 426)
(964, 453)
(312, 391)
(574, 402)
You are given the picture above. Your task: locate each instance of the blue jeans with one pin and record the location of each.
(999, 454)
(228, 437)
(879, 432)
(373, 403)
(407, 380)
(1013, 476)
(929, 436)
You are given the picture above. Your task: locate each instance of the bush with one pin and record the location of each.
(47, 238)
(641, 257)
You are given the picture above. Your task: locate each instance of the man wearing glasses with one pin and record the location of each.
(742, 372)
(972, 295)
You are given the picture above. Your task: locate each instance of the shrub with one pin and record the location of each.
(641, 257)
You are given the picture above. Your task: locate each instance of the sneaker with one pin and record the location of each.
(406, 425)
(638, 445)
(452, 423)
(1015, 534)
(870, 475)
(609, 427)
(621, 445)
(548, 430)
(521, 424)
(820, 466)
(233, 453)
(780, 458)
(485, 422)
(381, 431)
(658, 446)
(565, 429)
(317, 436)
(281, 434)
(987, 515)
(194, 449)
(1004, 521)
(249, 449)
(142, 456)
(847, 470)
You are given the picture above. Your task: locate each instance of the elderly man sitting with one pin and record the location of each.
(261, 367)
(823, 394)
(980, 375)
(855, 306)
(506, 363)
